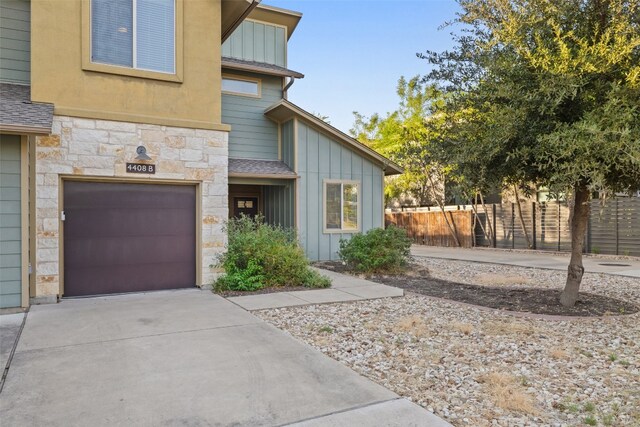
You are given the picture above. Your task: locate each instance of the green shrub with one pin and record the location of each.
(313, 279)
(260, 255)
(248, 279)
(377, 251)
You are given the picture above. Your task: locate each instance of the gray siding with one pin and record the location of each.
(15, 36)
(279, 204)
(319, 158)
(253, 136)
(257, 41)
(288, 143)
(10, 222)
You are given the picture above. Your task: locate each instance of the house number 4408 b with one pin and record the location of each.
(140, 168)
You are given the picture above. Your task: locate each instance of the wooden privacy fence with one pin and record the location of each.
(614, 228)
(430, 228)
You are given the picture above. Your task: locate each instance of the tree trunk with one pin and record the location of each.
(476, 220)
(579, 220)
(524, 227)
(444, 213)
(489, 222)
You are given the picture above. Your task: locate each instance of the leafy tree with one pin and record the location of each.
(412, 136)
(405, 137)
(322, 117)
(551, 91)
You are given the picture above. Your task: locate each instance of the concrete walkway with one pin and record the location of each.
(343, 288)
(188, 358)
(553, 261)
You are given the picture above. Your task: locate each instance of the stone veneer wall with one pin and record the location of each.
(100, 148)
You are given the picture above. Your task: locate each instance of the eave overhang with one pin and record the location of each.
(259, 67)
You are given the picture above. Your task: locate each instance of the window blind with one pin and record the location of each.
(155, 47)
(112, 32)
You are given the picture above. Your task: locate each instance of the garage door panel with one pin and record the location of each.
(128, 237)
(140, 222)
(125, 278)
(130, 250)
(112, 195)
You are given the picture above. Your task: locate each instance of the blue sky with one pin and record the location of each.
(352, 52)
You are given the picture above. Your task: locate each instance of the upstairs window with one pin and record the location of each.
(138, 34)
(341, 205)
(234, 85)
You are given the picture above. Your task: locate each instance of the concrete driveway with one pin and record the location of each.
(187, 358)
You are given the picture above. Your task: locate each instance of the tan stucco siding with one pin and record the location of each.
(58, 76)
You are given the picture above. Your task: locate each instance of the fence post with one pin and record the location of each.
(587, 245)
(559, 229)
(533, 221)
(473, 229)
(617, 228)
(495, 226)
(513, 226)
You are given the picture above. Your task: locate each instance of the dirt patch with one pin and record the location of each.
(529, 299)
(271, 290)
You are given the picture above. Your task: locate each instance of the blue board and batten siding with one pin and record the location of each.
(320, 158)
(279, 200)
(259, 42)
(279, 204)
(253, 136)
(288, 144)
(15, 36)
(10, 222)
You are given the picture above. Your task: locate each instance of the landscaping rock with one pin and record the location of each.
(481, 367)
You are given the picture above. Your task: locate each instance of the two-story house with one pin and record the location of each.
(130, 130)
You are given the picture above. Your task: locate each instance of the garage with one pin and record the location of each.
(128, 237)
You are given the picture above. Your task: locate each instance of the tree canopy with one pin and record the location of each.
(553, 87)
(412, 137)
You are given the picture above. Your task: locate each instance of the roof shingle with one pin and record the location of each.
(18, 112)
(275, 168)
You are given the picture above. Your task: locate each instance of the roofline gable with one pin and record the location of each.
(277, 15)
(284, 110)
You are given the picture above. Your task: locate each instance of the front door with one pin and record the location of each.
(245, 205)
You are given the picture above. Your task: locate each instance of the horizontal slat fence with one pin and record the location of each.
(614, 228)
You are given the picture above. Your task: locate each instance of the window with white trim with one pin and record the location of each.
(138, 34)
(341, 205)
(239, 86)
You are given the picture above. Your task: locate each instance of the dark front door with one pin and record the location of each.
(128, 237)
(245, 205)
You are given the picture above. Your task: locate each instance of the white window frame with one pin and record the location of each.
(242, 79)
(134, 41)
(341, 230)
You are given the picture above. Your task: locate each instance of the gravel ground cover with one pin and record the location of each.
(475, 366)
(496, 292)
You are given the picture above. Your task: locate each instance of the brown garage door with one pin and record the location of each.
(128, 237)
